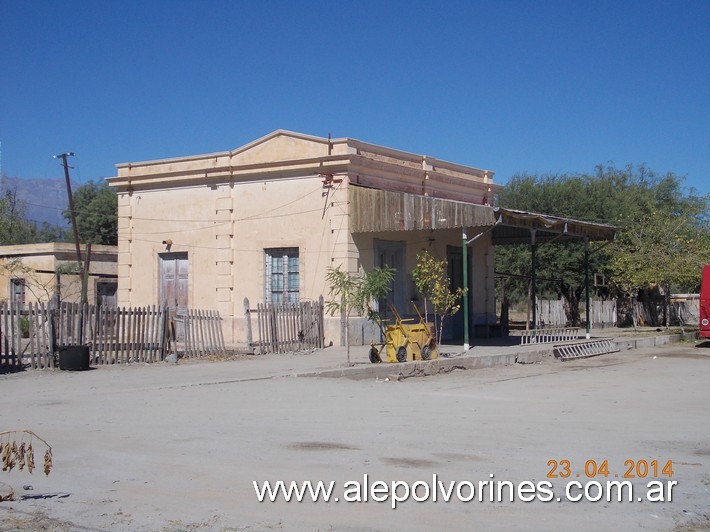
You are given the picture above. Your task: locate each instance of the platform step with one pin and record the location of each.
(589, 348)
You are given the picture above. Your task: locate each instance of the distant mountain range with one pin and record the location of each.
(44, 199)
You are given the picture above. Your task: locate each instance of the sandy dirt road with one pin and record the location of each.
(179, 447)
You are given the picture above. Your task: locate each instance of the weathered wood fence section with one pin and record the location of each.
(31, 337)
(605, 313)
(652, 313)
(27, 335)
(285, 327)
(203, 333)
(125, 335)
(551, 312)
(601, 313)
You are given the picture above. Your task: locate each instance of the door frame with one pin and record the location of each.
(176, 310)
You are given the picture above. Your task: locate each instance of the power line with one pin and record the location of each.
(55, 208)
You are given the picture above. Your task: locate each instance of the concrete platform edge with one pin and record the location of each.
(469, 361)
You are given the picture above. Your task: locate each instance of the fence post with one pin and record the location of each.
(247, 321)
(321, 324)
(163, 327)
(260, 323)
(220, 332)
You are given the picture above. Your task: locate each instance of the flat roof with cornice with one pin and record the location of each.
(289, 154)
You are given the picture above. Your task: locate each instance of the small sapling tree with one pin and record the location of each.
(430, 278)
(356, 293)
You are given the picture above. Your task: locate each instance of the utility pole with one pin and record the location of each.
(82, 270)
(63, 157)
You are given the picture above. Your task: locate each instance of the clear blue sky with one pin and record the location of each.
(510, 86)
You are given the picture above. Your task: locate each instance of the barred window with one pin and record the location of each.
(281, 278)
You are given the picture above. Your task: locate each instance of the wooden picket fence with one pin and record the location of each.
(124, 335)
(29, 338)
(37, 325)
(285, 327)
(203, 333)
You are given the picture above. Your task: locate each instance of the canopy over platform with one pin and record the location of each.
(514, 227)
(374, 210)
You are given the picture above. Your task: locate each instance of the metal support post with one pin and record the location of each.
(465, 288)
(533, 281)
(586, 285)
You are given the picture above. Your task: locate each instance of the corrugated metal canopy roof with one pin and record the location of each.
(374, 210)
(514, 226)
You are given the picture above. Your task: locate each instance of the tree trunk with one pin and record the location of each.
(667, 306)
(571, 304)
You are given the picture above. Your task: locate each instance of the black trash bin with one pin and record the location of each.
(74, 357)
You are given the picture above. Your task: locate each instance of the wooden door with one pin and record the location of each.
(173, 287)
(106, 294)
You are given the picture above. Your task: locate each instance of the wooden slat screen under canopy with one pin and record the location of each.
(374, 210)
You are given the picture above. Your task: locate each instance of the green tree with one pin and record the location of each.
(356, 293)
(559, 266)
(664, 242)
(14, 229)
(430, 278)
(96, 207)
(639, 202)
(50, 233)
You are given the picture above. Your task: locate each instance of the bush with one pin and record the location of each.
(24, 327)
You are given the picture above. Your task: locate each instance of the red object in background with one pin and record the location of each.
(705, 303)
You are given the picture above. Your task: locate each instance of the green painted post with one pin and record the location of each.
(586, 283)
(533, 282)
(465, 287)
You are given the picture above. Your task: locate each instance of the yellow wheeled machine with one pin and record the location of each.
(405, 342)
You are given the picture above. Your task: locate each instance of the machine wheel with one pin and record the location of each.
(426, 353)
(375, 355)
(401, 354)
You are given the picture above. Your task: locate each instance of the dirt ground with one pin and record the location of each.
(177, 447)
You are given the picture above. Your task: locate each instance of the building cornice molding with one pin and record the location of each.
(368, 164)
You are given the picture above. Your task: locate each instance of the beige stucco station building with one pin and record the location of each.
(266, 221)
